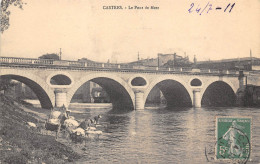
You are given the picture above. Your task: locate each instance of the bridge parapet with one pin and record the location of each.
(80, 65)
(93, 65)
(25, 60)
(125, 66)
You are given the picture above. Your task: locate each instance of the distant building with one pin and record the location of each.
(255, 67)
(175, 61)
(83, 94)
(252, 96)
(14, 91)
(21, 91)
(27, 93)
(91, 92)
(246, 63)
(163, 60)
(87, 61)
(155, 97)
(114, 58)
(144, 62)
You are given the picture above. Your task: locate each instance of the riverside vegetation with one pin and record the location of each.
(20, 143)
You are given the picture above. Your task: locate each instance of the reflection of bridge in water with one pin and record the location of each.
(55, 82)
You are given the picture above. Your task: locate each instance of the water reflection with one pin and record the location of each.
(161, 135)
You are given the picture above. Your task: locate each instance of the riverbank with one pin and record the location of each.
(21, 144)
(36, 103)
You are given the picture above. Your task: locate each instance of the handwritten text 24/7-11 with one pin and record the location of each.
(200, 9)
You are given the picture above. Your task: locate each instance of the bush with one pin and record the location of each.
(16, 158)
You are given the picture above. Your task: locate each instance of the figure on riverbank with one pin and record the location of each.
(64, 116)
(56, 120)
(53, 122)
(96, 119)
(86, 124)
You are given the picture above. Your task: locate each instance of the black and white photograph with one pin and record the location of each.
(129, 81)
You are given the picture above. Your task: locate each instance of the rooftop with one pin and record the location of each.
(229, 60)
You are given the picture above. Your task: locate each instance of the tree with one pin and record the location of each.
(6, 84)
(5, 13)
(50, 56)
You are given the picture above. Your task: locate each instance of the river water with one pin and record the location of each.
(157, 135)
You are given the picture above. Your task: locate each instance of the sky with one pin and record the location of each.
(83, 29)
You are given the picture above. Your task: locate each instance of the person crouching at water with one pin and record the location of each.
(96, 119)
(86, 124)
(64, 116)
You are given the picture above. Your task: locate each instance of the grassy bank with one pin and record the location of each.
(22, 144)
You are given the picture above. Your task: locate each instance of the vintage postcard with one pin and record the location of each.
(130, 81)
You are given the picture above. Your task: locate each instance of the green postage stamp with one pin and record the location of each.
(233, 138)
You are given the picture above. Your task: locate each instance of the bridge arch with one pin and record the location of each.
(175, 81)
(121, 94)
(209, 82)
(195, 82)
(42, 90)
(138, 80)
(218, 92)
(63, 74)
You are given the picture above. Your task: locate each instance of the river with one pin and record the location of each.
(161, 135)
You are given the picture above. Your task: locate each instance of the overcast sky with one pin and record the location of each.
(82, 28)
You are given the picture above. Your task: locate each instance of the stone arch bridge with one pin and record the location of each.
(55, 82)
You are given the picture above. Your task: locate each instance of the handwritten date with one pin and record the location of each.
(208, 7)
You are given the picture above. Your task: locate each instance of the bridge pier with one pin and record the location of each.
(196, 98)
(241, 92)
(139, 98)
(60, 97)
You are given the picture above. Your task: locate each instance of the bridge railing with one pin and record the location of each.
(43, 61)
(94, 65)
(25, 60)
(254, 72)
(204, 70)
(149, 68)
(186, 69)
(126, 66)
(214, 71)
(76, 63)
(162, 68)
(219, 71)
(233, 72)
(109, 65)
(177, 69)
